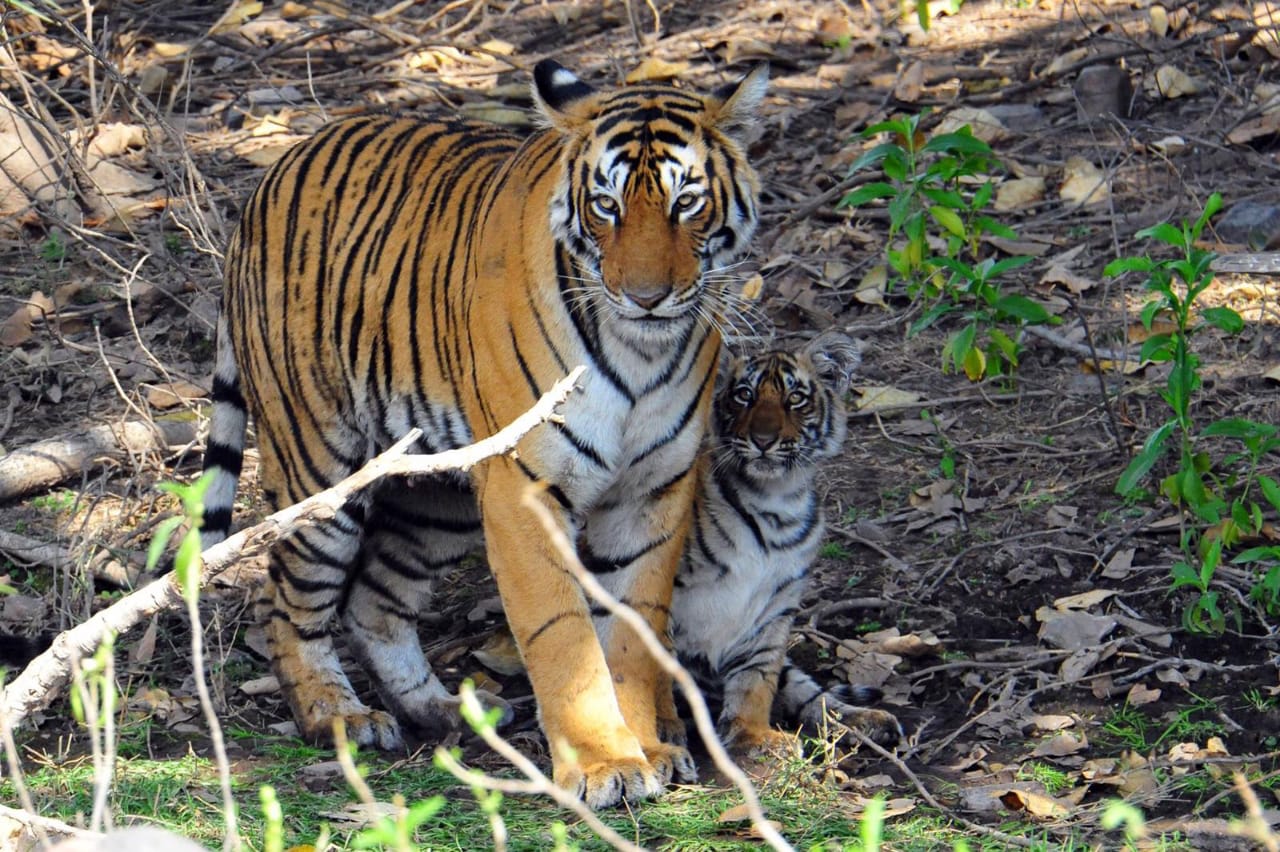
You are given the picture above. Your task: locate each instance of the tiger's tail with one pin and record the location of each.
(224, 449)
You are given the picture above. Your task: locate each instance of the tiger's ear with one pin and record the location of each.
(835, 356)
(564, 100)
(734, 108)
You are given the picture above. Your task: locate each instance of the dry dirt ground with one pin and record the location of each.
(959, 518)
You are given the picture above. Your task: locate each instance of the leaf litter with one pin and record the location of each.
(1027, 607)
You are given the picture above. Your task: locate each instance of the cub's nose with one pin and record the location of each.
(650, 296)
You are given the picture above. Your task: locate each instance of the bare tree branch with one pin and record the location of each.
(47, 675)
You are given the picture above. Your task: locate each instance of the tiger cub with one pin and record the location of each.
(435, 273)
(757, 526)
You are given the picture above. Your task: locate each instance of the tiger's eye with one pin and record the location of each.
(743, 396)
(797, 398)
(606, 205)
(686, 200)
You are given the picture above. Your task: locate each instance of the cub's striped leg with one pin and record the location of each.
(413, 534)
(818, 710)
(750, 684)
(306, 580)
(594, 752)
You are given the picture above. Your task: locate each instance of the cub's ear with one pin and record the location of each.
(734, 108)
(835, 356)
(563, 100)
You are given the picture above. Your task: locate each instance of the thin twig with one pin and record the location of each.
(669, 664)
(537, 784)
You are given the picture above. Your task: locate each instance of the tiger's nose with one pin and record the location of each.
(764, 439)
(649, 296)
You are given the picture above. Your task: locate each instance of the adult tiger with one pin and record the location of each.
(391, 273)
(758, 523)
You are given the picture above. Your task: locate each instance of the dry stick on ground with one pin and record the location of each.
(1011, 839)
(46, 463)
(701, 716)
(49, 673)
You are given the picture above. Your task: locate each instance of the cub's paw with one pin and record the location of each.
(879, 726)
(755, 744)
(672, 761)
(438, 715)
(605, 784)
(363, 726)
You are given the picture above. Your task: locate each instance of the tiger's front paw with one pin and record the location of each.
(673, 731)
(607, 783)
(672, 760)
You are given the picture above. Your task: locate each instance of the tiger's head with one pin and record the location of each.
(656, 195)
(782, 412)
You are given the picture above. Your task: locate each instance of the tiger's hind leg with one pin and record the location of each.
(307, 578)
(413, 536)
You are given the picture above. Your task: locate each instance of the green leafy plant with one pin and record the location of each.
(1222, 498)
(937, 190)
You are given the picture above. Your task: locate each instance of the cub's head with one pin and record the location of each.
(780, 412)
(656, 191)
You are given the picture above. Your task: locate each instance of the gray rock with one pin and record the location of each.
(1255, 224)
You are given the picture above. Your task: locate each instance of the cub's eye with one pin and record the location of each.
(605, 205)
(743, 396)
(797, 398)
(686, 200)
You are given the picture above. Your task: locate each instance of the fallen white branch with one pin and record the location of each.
(47, 675)
(46, 463)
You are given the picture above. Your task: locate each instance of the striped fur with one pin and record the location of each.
(758, 524)
(392, 273)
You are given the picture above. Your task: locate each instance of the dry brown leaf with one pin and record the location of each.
(1018, 192)
(983, 123)
(1261, 127)
(744, 49)
(1051, 721)
(500, 653)
(737, 813)
(1065, 60)
(1083, 183)
(871, 288)
(1079, 664)
(1065, 743)
(1036, 804)
(1084, 600)
(1170, 146)
(654, 69)
(496, 112)
(266, 685)
(1073, 281)
(1159, 18)
(910, 83)
(1172, 82)
(145, 648)
(239, 13)
(1139, 695)
(1120, 565)
(1072, 630)
(752, 288)
(1273, 374)
(878, 397)
(173, 394)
